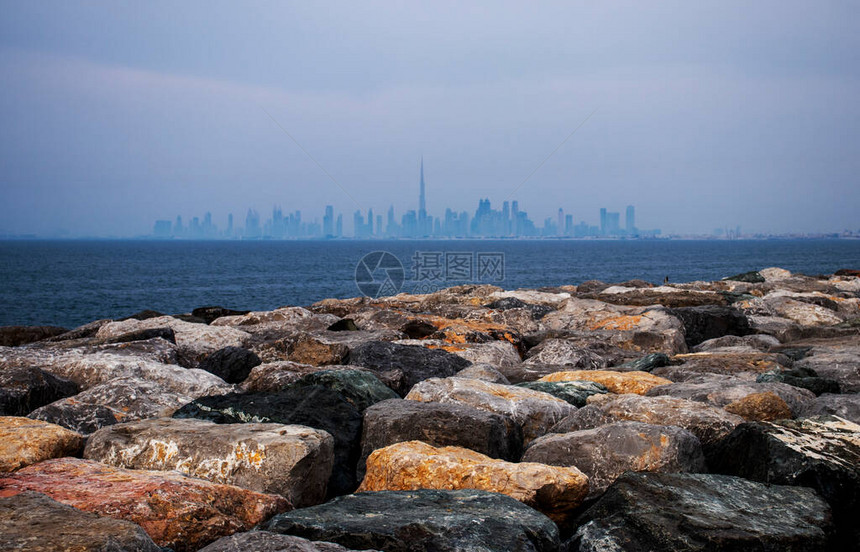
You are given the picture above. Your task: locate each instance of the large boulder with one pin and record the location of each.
(264, 541)
(616, 382)
(574, 392)
(760, 407)
(533, 411)
(565, 353)
(360, 387)
(24, 441)
(292, 461)
(406, 365)
(822, 453)
(13, 336)
(844, 406)
(693, 512)
(711, 321)
(176, 511)
(805, 378)
(423, 521)
(484, 372)
(277, 376)
(606, 452)
(439, 424)
(231, 364)
(841, 365)
(24, 389)
(412, 465)
(34, 522)
(313, 406)
(725, 390)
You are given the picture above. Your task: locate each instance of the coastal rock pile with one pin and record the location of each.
(717, 415)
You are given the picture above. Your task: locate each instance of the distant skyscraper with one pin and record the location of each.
(603, 221)
(559, 230)
(328, 221)
(229, 225)
(422, 205)
(630, 220)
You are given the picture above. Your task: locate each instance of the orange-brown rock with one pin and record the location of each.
(24, 441)
(760, 407)
(616, 382)
(176, 511)
(413, 465)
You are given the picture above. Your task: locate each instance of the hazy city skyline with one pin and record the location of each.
(703, 116)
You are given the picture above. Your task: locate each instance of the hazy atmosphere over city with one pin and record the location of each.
(705, 115)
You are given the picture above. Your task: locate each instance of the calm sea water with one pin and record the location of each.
(69, 283)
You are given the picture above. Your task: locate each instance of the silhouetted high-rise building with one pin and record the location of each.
(328, 221)
(630, 221)
(603, 229)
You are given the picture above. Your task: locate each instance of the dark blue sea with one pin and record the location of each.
(68, 283)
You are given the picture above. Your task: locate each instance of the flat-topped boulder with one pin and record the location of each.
(24, 441)
(423, 521)
(290, 460)
(533, 411)
(725, 390)
(616, 382)
(406, 365)
(176, 511)
(412, 465)
(565, 352)
(13, 336)
(358, 386)
(24, 389)
(575, 392)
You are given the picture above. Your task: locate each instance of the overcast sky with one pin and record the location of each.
(708, 114)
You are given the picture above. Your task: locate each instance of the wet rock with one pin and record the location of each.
(708, 322)
(210, 314)
(264, 541)
(33, 522)
(606, 452)
(423, 521)
(721, 392)
(805, 378)
(118, 400)
(441, 425)
(24, 441)
(760, 407)
(533, 411)
(313, 406)
(412, 465)
(484, 372)
(686, 512)
(406, 365)
(844, 406)
(708, 423)
(644, 364)
(24, 389)
(360, 388)
(231, 364)
(194, 341)
(823, 454)
(290, 460)
(13, 336)
(565, 353)
(176, 511)
(574, 392)
(615, 382)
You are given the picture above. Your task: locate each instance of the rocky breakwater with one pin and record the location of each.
(602, 416)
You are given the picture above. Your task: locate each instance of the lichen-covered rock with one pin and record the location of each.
(313, 406)
(573, 392)
(231, 364)
(290, 460)
(822, 453)
(843, 406)
(805, 314)
(264, 541)
(360, 387)
(176, 511)
(708, 423)
(317, 350)
(24, 389)
(423, 521)
(760, 407)
(616, 382)
(483, 372)
(692, 512)
(441, 425)
(565, 353)
(33, 522)
(406, 364)
(533, 411)
(414, 465)
(24, 441)
(606, 452)
(724, 390)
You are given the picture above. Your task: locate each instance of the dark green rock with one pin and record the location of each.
(573, 392)
(362, 389)
(751, 277)
(644, 364)
(806, 378)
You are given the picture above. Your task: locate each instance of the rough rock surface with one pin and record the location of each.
(13, 336)
(231, 364)
(535, 412)
(565, 353)
(24, 389)
(413, 465)
(313, 406)
(573, 392)
(760, 407)
(822, 453)
(277, 376)
(176, 511)
(264, 541)
(441, 425)
(24, 441)
(686, 512)
(484, 372)
(711, 321)
(359, 387)
(616, 382)
(844, 406)
(290, 460)
(423, 521)
(606, 452)
(33, 522)
(406, 364)
(724, 390)
(801, 377)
